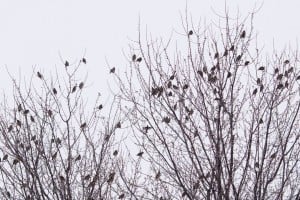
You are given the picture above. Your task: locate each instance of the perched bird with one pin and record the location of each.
(273, 156)
(53, 157)
(139, 59)
(166, 120)
(50, 113)
(54, 91)
(258, 81)
(74, 89)
(247, 63)
(133, 57)
(286, 62)
(100, 106)
(261, 68)
(67, 64)
(140, 154)
(118, 125)
(254, 91)
(78, 158)
(216, 55)
(10, 128)
(32, 119)
(190, 33)
(261, 88)
(121, 196)
(276, 70)
(243, 35)
(20, 108)
(15, 161)
(231, 48)
(39, 75)
(81, 85)
(238, 58)
(157, 176)
(279, 86)
(112, 70)
(229, 74)
(261, 121)
(115, 153)
(298, 78)
(82, 126)
(5, 157)
(84, 60)
(200, 73)
(185, 86)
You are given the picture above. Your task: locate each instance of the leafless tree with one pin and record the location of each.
(213, 116)
(54, 144)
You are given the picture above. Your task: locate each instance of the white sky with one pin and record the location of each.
(34, 32)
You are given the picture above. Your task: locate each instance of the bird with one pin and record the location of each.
(261, 121)
(190, 33)
(84, 60)
(10, 128)
(185, 86)
(229, 74)
(279, 86)
(286, 62)
(39, 75)
(118, 125)
(247, 63)
(115, 153)
(139, 59)
(261, 68)
(81, 85)
(67, 64)
(15, 161)
(166, 120)
(238, 58)
(261, 88)
(243, 35)
(32, 119)
(298, 78)
(254, 91)
(111, 177)
(216, 55)
(100, 106)
(133, 57)
(5, 157)
(20, 108)
(78, 158)
(157, 176)
(140, 154)
(112, 70)
(231, 48)
(82, 126)
(54, 156)
(200, 73)
(50, 113)
(74, 89)
(54, 91)
(121, 196)
(276, 70)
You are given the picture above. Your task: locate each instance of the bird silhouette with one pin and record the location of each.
(15, 161)
(243, 35)
(140, 154)
(139, 59)
(276, 70)
(190, 33)
(10, 128)
(82, 126)
(112, 70)
(67, 64)
(118, 125)
(74, 89)
(261, 88)
(157, 176)
(231, 48)
(81, 85)
(54, 91)
(166, 120)
(286, 62)
(78, 158)
(115, 153)
(53, 157)
(50, 113)
(238, 58)
(261, 68)
(133, 57)
(111, 177)
(279, 86)
(247, 63)
(216, 55)
(121, 196)
(5, 157)
(84, 60)
(225, 53)
(39, 75)
(20, 108)
(254, 91)
(32, 119)
(100, 106)
(298, 78)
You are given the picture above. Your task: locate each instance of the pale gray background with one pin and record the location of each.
(34, 32)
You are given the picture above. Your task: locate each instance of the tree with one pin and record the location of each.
(216, 118)
(51, 146)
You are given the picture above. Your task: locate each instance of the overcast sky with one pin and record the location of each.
(35, 32)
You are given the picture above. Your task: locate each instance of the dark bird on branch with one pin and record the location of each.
(78, 158)
(54, 91)
(140, 154)
(133, 57)
(139, 59)
(115, 153)
(231, 48)
(39, 75)
(286, 62)
(112, 70)
(254, 91)
(190, 33)
(84, 60)
(122, 196)
(67, 64)
(243, 35)
(74, 89)
(261, 68)
(81, 85)
(247, 63)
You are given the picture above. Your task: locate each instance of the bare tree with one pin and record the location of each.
(54, 145)
(214, 118)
